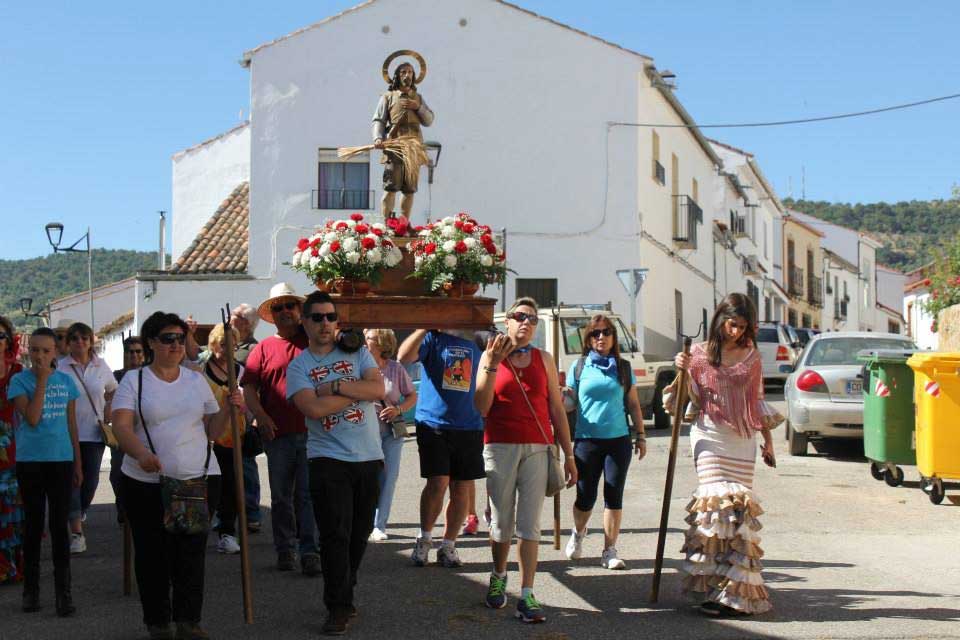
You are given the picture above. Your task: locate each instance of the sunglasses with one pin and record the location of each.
(4, 336)
(280, 306)
(171, 338)
(320, 317)
(61, 336)
(522, 317)
(596, 333)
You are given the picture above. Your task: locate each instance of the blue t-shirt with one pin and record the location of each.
(449, 383)
(600, 408)
(49, 441)
(352, 435)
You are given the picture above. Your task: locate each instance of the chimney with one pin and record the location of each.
(162, 254)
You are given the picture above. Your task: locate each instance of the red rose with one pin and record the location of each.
(461, 247)
(430, 248)
(376, 232)
(486, 239)
(458, 224)
(316, 242)
(468, 227)
(356, 217)
(502, 257)
(392, 223)
(419, 228)
(485, 228)
(334, 246)
(387, 243)
(491, 249)
(368, 243)
(302, 244)
(342, 226)
(315, 252)
(430, 226)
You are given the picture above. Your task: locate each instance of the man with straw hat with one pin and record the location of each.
(283, 430)
(63, 347)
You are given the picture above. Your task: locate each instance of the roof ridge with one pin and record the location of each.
(183, 152)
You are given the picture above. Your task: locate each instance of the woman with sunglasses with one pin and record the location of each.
(11, 515)
(603, 384)
(518, 392)
(182, 416)
(726, 386)
(93, 377)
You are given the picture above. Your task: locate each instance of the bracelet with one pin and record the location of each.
(490, 369)
(335, 387)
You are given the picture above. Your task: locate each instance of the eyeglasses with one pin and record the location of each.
(596, 333)
(280, 306)
(170, 338)
(522, 317)
(320, 317)
(61, 336)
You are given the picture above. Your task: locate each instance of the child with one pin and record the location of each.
(48, 464)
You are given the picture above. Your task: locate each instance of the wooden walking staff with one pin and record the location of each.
(681, 401)
(228, 348)
(127, 558)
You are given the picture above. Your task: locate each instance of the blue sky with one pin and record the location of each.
(97, 96)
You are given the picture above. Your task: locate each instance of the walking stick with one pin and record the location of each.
(681, 401)
(228, 348)
(556, 522)
(127, 558)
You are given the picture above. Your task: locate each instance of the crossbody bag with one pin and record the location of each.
(185, 509)
(106, 430)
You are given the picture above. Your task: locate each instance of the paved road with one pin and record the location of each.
(846, 557)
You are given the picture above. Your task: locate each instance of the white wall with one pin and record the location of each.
(890, 286)
(203, 176)
(838, 277)
(919, 321)
(111, 345)
(109, 303)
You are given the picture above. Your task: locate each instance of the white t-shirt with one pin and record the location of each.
(174, 413)
(99, 380)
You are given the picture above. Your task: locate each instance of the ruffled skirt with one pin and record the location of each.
(722, 547)
(11, 522)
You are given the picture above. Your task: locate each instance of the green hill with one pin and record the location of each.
(912, 232)
(55, 276)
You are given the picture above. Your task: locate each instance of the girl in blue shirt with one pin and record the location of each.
(48, 465)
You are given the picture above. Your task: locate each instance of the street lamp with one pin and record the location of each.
(26, 304)
(433, 155)
(54, 236)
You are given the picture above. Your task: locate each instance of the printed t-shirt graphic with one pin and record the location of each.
(457, 369)
(352, 414)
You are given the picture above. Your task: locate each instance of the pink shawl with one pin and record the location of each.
(731, 396)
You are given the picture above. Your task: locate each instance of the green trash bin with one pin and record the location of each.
(888, 416)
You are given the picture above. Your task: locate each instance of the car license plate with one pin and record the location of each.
(854, 387)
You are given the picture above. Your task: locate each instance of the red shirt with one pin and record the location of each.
(510, 419)
(267, 370)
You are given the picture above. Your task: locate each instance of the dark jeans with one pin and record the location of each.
(226, 505)
(91, 455)
(291, 510)
(345, 498)
(116, 477)
(609, 457)
(45, 485)
(163, 560)
(251, 488)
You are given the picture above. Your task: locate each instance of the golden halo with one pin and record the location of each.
(405, 52)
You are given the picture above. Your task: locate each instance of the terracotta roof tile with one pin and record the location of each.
(221, 246)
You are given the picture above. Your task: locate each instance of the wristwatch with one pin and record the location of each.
(335, 387)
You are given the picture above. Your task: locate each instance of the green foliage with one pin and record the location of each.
(944, 282)
(54, 276)
(913, 233)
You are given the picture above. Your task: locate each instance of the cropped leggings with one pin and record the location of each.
(609, 457)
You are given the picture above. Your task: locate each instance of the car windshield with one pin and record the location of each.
(768, 334)
(573, 337)
(843, 351)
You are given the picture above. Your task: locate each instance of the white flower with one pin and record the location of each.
(448, 232)
(314, 261)
(449, 245)
(393, 257)
(325, 249)
(349, 244)
(351, 223)
(353, 257)
(417, 261)
(423, 233)
(379, 226)
(330, 237)
(450, 261)
(315, 237)
(297, 255)
(374, 256)
(486, 261)
(448, 221)
(499, 249)
(375, 237)
(470, 242)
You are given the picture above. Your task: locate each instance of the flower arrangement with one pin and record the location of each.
(347, 249)
(458, 249)
(401, 227)
(943, 282)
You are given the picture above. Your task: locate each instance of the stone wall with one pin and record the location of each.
(948, 329)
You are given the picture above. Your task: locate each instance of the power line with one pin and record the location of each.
(779, 123)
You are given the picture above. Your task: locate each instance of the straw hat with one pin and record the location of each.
(64, 324)
(277, 291)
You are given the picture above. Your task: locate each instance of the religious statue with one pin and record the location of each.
(400, 113)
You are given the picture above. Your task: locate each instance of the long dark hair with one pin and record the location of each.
(82, 330)
(154, 326)
(7, 326)
(395, 83)
(735, 305)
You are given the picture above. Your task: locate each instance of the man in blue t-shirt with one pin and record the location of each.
(334, 390)
(449, 434)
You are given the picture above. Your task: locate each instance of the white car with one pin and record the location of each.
(778, 345)
(824, 390)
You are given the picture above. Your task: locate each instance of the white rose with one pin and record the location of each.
(448, 220)
(392, 258)
(351, 223)
(374, 256)
(379, 226)
(353, 257)
(470, 242)
(448, 232)
(296, 258)
(418, 261)
(449, 245)
(423, 233)
(325, 249)
(349, 244)
(314, 261)
(486, 261)
(450, 261)
(330, 237)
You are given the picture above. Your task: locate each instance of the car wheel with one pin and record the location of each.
(661, 419)
(876, 471)
(893, 478)
(936, 491)
(797, 440)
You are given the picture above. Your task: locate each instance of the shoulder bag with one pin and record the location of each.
(185, 509)
(556, 478)
(106, 430)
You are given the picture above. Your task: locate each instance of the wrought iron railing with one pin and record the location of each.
(659, 172)
(738, 225)
(815, 290)
(687, 214)
(795, 282)
(342, 199)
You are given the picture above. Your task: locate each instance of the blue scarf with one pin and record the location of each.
(607, 364)
(525, 349)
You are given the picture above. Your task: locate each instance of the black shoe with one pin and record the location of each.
(310, 565)
(191, 631)
(64, 598)
(31, 601)
(31, 588)
(160, 632)
(286, 561)
(337, 621)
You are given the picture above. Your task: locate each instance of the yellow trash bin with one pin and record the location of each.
(936, 394)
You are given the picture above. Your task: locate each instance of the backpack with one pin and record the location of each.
(623, 374)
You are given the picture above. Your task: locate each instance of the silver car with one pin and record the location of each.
(778, 345)
(824, 390)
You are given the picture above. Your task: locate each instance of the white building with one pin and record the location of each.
(112, 314)
(890, 286)
(919, 324)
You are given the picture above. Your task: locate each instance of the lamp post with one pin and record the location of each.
(26, 304)
(54, 236)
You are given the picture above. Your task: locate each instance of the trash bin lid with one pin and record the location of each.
(898, 356)
(930, 359)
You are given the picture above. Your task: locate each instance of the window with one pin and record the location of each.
(807, 323)
(342, 185)
(792, 318)
(753, 292)
(659, 172)
(543, 290)
(766, 244)
(767, 310)
(893, 327)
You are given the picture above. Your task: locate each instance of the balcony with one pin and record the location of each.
(795, 282)
(687, 214)
(659, 173)
(342, 199)
(738, 225)
(815, 290)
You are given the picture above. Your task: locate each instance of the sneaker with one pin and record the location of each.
(421, 552)
(78, 543)
(286, 561)
(487, 517)
(253, 526)
(575, 545)
(609, 560)
(473, 523)
(191, 631)
(529, 610)
(227, 544)
(378, 535)
(310, 565)
(448, 557)
(337, 621)
(497, 592)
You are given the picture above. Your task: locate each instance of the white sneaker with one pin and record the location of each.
(378, 535)
(78, 543)
(448, 557)
(575, 545)
(227, 544)
(421, 552)
(609, 560)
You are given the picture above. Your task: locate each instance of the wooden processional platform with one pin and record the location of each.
(414, 312)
